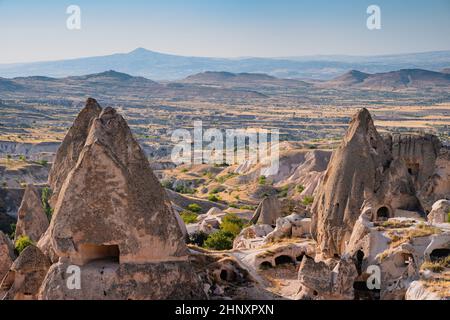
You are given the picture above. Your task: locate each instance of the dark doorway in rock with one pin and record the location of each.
(413, 169)
(283, 259)
(382, 213)
(359, 260)
(362, 292)
(92, 252)
(439, 254)
(265, 265)
(300, 257)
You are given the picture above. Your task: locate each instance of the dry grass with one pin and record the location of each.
(436, 266)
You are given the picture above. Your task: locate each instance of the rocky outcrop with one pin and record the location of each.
(6, 255)
(438, 185)
(440, 212)
(418, 153)
(32, 220)
(26, 275)
(355, 173)
(292, 226)
(114, 221)
(326, 279)
(367, 171)
(112, 198)
(268, 211)
(111, 281)
(70, 149)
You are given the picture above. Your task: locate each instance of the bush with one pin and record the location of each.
(22, 242)
(198, 238)
(300, 188)
(232, 224)
(448, 217)
(194, 207)
(46, 194)
(188, 217)
(262, 180)
(42, 162)
(307, 200)
(213, 198)
(12, 228)
(220, 240)
(166, 184)
(22, 158)
(184, 189)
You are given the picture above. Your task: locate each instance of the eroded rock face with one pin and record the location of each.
(268, 211)
(418, 153)
(32, 220)
(329, 279)
(355, 172)
(6, 255)
(438, 185)
(70, 149)
(112, 201)
(440, 212)
(111, 281)
(368, 171)
(26, 275)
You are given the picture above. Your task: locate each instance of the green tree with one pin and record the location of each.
(194, 207)
(22, 242)
(220, 240)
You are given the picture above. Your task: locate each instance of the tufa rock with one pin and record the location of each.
(440, 212)
(6, 255)
(70, 149)
(268, 211)
(111, 202)
(26, 275)
(32, 220)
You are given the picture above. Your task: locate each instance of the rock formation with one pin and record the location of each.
(32, 220)
(26, 275)
(70, 149)
(268, 211)
(440, 212)
(368, 171)
(6, 255)
(112, 214)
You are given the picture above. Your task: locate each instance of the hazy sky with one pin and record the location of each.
(33, 30)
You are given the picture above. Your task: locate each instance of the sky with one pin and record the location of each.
(33, 30)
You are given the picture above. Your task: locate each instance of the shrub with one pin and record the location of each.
(232, 224)
(262, 180)
(46, 194)
(8, 157)
(307, 200)
(166, 184)
(22, 242)
(184, 189)
(42, 162)
(22, 158)
(194, 207)
(247, 207)
(220, 240)
(198, 238)
(184, 170)
(233, 205)
(188, 217)
(213, 198)
(448, 216)
(300, 188)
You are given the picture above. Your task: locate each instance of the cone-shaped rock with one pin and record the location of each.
(70, 149)
(354, 174)
(112, 205)
(32, 220)
(268, 211)
(6, 255)
(26, 275)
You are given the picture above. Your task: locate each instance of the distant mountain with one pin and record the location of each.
(159, 66)
(114, 84)
(395, 80)
(446, 70)
(257, 81)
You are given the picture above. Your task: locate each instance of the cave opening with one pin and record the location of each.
(92, 252)
(439, 254)
(383, 213)
(283, 259)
